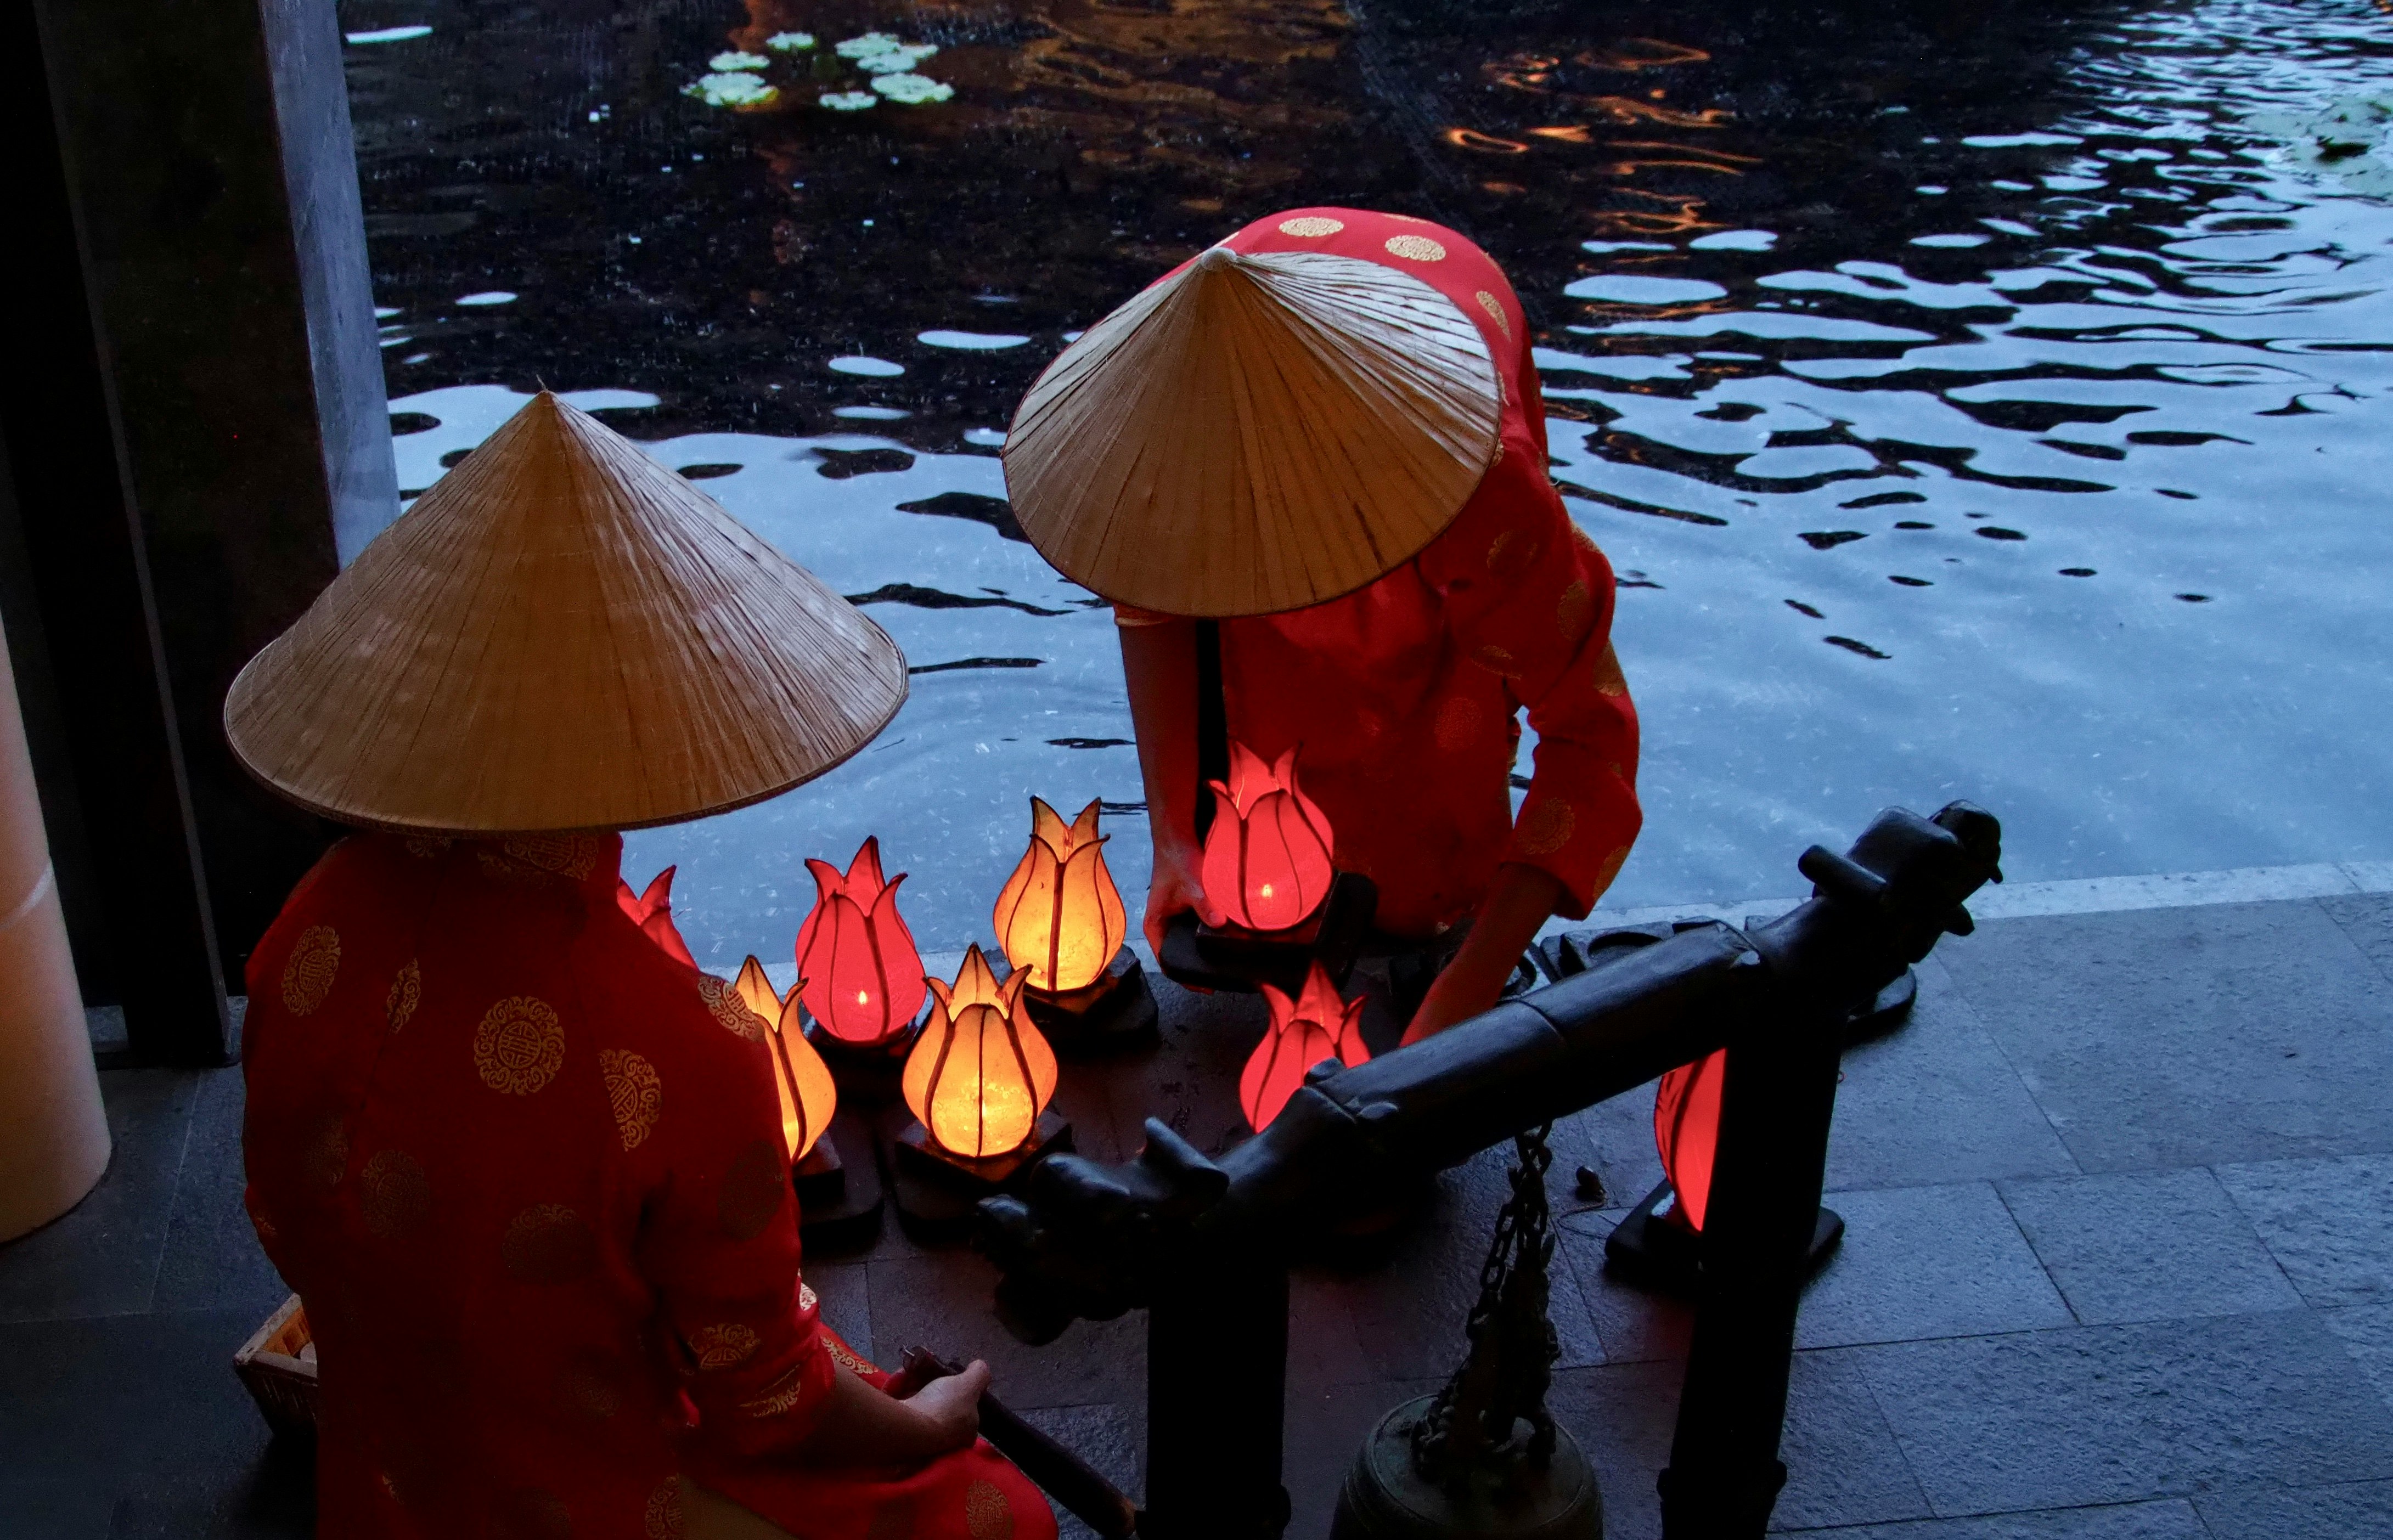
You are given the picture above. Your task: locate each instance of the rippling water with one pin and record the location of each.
(1999, 412)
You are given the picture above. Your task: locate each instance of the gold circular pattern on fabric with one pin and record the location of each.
(633, 1092)
(986, 1513)
(570, 855)
(393, 1193)
(779, 1396)
(724, 1001)
(406, 992)
(549, 1244)
(1457, 723)
(1512, 553)
(1496, 660)
(1494, 308)
(427, 847)
(519, 1046)
(1574, 612)
(724, 1347)
(807, 1297)
(327, 1158)
(1545, 829)
(307, 977)
(752, 1190)
(846, 1358)
(1311, 227)
(663, 1518)
(1415, 248)
(1610, 870)
(1608, 677)
(585, 1387)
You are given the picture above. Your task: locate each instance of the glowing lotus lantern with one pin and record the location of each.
(808, 1098)
(1060, 917)
(652, 912)
(1318, 1024)
(1266, 863)
(980, 1074)
(863, 978)
(1686, 1132)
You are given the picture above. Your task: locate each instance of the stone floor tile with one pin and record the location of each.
(212, 1259)
(1623, 1415)
(2367, 1334)
(2147, 1248)
(2118, 1414)
(54, 1508)
(1323, 1347)
(942, 1300)
(2329, 1223)
(271, 1498)
(101, 1257)
(1111, 1439)
(1927, 1262)
(1326, 1428)
(1843, 1466)
(2169, 1037)
(2368, 919)
(1632, 1325)
(1615, 1139)
(1935, 1101)
(2172, 1520)
(2362, 1511)
(1409, 1305)
(844, 1293)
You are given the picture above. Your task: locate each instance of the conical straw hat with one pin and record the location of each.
(1257, 432)
(561, 635)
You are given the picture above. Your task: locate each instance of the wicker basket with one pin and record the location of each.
(278, 1364)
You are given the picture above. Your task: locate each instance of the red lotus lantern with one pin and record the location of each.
(652, 912)
(1318, 1024)
(1686, 1132)
(1266, 863)
(980, 1074)
(1060, 918)
(807, 1096)
(863, 978)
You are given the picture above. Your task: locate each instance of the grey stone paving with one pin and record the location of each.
(2119, 1267)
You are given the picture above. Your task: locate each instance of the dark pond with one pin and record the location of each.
(1978, 399)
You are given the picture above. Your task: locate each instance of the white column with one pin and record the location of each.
(53, 1133)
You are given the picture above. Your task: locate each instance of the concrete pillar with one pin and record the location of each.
(53, 1132)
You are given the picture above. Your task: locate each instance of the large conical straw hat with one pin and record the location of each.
(561, 635)
(1257, 432)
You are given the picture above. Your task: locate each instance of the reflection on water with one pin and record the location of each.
(1996, 410)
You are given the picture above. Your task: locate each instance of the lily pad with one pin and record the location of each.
(789, 43)
(871, 43)
(735, 59)
(848, 101)
(911, 90)
(735, 89)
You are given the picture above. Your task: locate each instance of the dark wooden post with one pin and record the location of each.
(196, 430)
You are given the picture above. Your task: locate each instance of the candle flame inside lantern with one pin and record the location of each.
(863, 976)
(802, 1081)
(1266, 863)
(1318, 1024)
(980, 1074)
(1060, 917)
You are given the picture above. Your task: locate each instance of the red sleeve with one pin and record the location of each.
(1529, 596)
(719, 1228)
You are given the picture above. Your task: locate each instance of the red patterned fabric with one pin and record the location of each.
(1404, 695)
(525, 1171)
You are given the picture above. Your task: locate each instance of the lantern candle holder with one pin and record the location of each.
(1283, 907)
(978, 1082)
(1063, 925)
(860, 975)
(838, 1188)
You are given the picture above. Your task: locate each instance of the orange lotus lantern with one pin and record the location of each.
(1266, 863)
(1060, 918)
(652, 912)
(1686, 1133)
(980, 1074)
(1318, 1024)
(863, 978)
(808, 1098)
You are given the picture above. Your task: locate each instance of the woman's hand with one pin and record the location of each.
(1174, 889)
(1520, 900)
(863, 1426)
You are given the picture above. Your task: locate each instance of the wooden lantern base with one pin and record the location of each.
(937, 1192)
(278, 1365)
(838, 1191)
(1116, 1012)
(1655, 1252)
(866, 1076)
(1226, 956)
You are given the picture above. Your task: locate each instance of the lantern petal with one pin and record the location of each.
(756, 991)
(1686, 1130)
(1085, 826)
(901, 964)
(1025, 913)
(864, 882)
(816, 1095)
(1047, 828)
(1222, 868)
(1113, 917)
(1077, 948)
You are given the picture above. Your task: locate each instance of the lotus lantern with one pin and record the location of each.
(806, 1093)
(980, 1074)
(1266, 862)
(1318, 1024)
(1060, 917)
(863, 978)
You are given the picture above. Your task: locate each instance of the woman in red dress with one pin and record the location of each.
(525, 1170)
(1392, 615)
